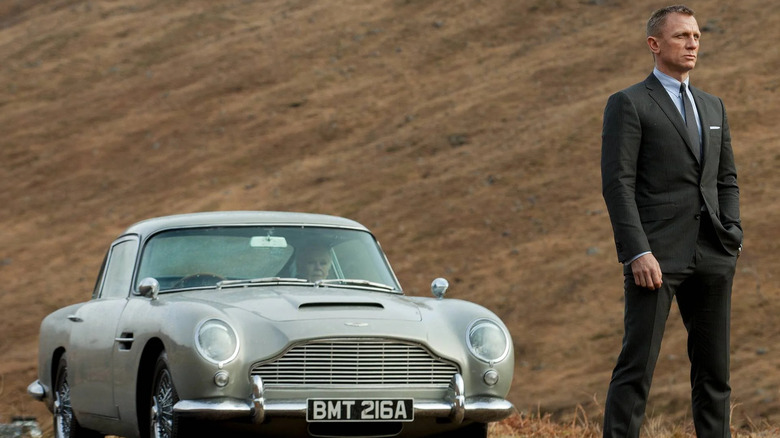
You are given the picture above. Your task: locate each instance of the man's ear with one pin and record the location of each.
(653, 44)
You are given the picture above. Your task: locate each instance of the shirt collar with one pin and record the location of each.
(671, 84)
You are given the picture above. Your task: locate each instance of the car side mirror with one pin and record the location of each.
(149, 287)
(439, 287)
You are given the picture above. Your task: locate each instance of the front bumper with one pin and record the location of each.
(36, 390)
(456, 407)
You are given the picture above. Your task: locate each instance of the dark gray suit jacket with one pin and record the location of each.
(652, 182)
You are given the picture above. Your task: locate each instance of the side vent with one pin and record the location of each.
(125, 341)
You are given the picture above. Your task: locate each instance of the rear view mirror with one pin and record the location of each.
(268, 242)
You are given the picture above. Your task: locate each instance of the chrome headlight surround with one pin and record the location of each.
(216, 341)
(487, 341)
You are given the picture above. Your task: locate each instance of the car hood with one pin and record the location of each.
(293, 303)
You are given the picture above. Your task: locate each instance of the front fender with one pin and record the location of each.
(448, 321)
(53, 341)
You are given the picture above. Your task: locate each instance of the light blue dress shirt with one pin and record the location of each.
(672, 87)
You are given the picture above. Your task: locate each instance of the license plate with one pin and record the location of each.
(400, 409)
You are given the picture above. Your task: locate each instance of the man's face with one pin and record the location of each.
(314, 264)
(677, 47)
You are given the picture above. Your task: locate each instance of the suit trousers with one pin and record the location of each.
(703, 293)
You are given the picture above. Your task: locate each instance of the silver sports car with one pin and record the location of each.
(271, 324)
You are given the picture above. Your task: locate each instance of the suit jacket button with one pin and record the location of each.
(697, 216)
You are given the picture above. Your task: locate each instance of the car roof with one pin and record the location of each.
(237, 218)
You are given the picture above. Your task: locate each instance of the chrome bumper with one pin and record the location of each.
(456, 406)
(36, 390)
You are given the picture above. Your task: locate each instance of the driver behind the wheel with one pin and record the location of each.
(313, 262)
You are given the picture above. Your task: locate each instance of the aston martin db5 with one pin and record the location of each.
(270, 324)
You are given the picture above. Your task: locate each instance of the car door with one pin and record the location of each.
(93, 335)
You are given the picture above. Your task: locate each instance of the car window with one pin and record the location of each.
(119, 269)
(201, 257)
(99, 280)
(359, 261)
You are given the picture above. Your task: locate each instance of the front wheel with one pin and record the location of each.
(477, 430)
(163, 423)
(65, 423)
(473, 430)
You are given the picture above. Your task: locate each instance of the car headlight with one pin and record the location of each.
(216, 341)
(487, 341)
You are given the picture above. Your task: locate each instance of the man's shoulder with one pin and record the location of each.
(640, 88)
(699, 93)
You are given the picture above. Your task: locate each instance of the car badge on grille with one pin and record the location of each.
(356, 324)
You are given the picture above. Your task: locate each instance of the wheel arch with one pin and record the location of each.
(55, 361)
(54, 366)
(151, 352)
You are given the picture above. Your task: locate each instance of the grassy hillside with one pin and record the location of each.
(464, 133)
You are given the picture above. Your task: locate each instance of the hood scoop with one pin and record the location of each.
(295, 303)
(335, 305)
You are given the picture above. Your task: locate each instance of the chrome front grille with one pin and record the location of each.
(356, 362)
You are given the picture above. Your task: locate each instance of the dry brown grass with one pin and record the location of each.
(464, 133)
(521, 426)
(534, 426)
(539, 425)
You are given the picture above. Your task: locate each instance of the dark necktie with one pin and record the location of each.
(690, 122)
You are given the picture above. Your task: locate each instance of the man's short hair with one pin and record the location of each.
(656, 21)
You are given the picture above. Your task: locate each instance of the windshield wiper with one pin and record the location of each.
(354, 282)
(263, 280)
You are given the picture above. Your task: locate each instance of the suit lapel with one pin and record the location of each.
(661, 97)
(705, 132)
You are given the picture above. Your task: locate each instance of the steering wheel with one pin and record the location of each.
(198, 280)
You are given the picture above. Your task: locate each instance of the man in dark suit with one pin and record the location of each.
(670, 185)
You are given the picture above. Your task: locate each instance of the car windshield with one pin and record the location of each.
(207, 257)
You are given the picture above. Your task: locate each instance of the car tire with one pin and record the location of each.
(473, 430)
(163, 421)
(476, 430)
(65, 423)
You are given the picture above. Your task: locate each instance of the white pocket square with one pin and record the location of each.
(714, 127)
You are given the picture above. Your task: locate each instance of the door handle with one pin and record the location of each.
(75, 318)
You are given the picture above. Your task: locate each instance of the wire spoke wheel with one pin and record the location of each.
(65, 423)
(63, 412)
(163, 422)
